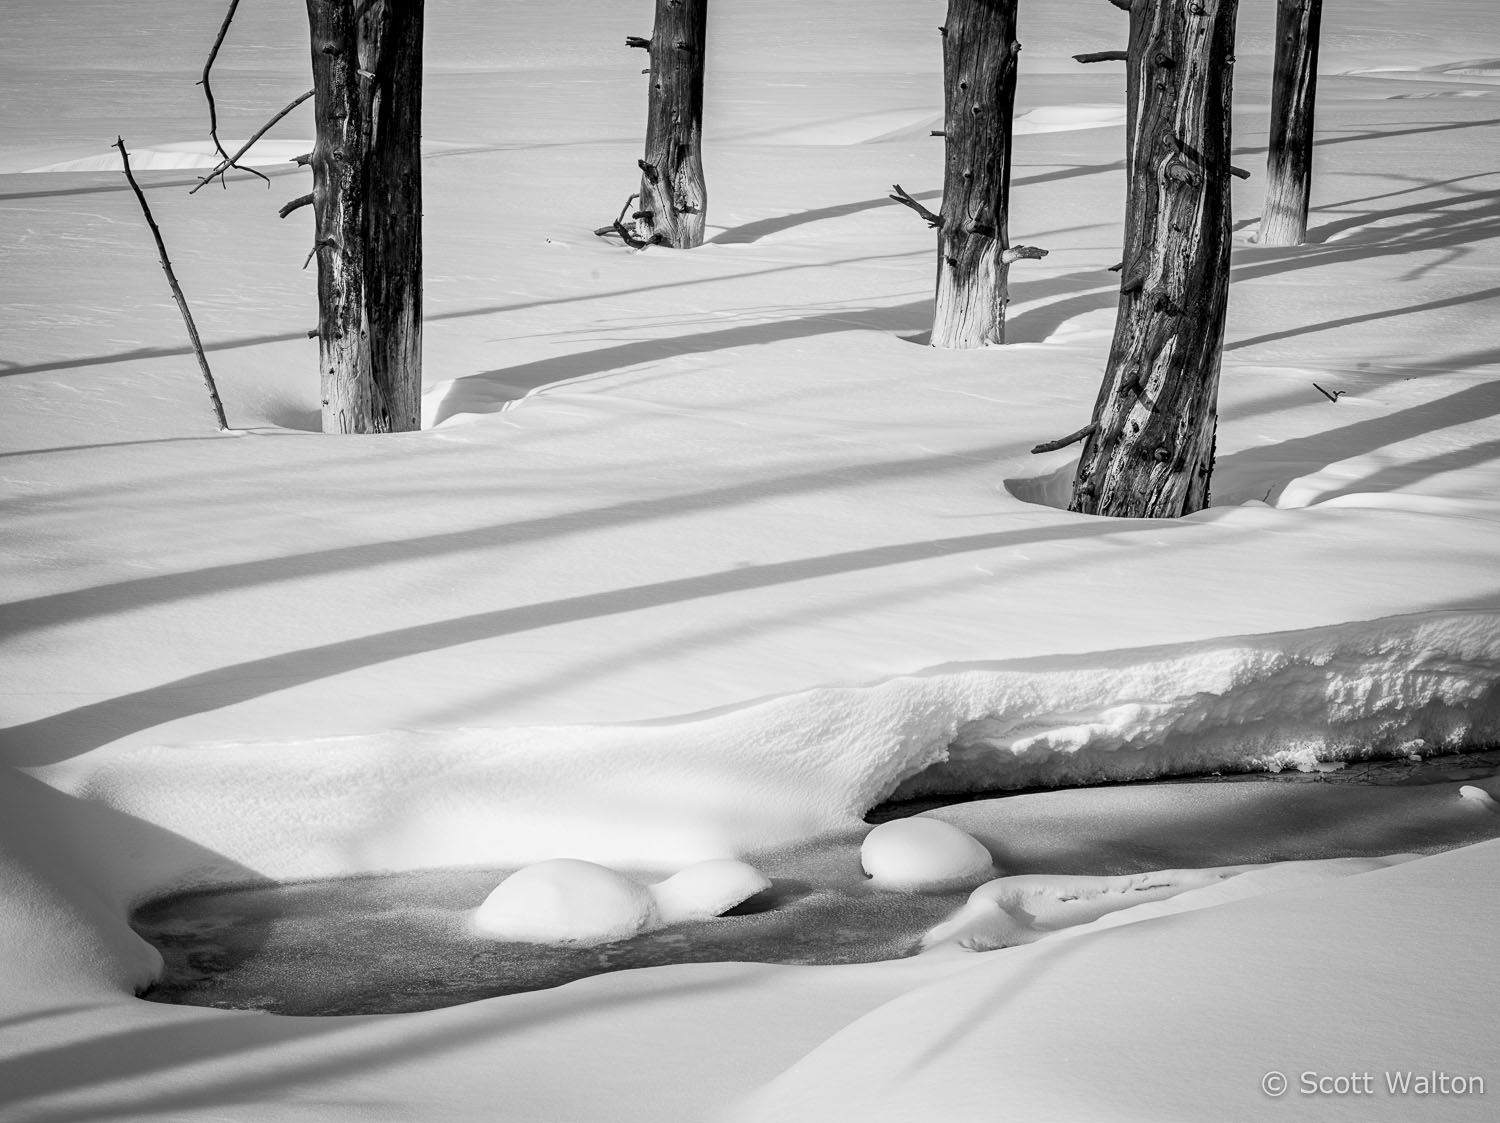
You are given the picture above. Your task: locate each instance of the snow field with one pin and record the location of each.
(702, 556)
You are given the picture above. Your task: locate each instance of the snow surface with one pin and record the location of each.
(701, 555)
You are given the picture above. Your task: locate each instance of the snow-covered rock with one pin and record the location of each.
(570, 901)
(707, 889)
(566, 901)
(919, 854)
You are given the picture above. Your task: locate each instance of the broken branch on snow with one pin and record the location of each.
(618, 227)
(166, 266)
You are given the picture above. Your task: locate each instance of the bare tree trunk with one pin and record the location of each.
(979, 80)
(674, 198)
(367, 198)
(1289, 165)
(1151, 449)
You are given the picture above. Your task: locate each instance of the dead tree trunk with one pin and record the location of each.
(1151, 448)
(974, 251)
(367, 198)
(1289, 165)
(673, 202)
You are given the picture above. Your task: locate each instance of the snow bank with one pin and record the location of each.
(1019, 910)
(1179, 1009)
(665, 795)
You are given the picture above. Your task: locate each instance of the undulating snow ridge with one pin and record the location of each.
(1424, 684)
(1024, 908)
(178, 155)
(764, 775)
(733, 476)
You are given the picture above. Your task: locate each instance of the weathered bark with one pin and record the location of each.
(979, 80)
(367, 198)
(673, 201)
(1151, 451)
(1289, 165)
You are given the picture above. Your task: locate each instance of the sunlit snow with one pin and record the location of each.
(701, 556)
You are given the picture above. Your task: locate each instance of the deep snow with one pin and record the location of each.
(699, 556)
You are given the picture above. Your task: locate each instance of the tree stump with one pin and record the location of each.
(979, 79)
(1151, 450)
(1293, 91)
(367, 198)
(673, 200)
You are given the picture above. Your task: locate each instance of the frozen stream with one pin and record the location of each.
(398, 942)
(394, 943)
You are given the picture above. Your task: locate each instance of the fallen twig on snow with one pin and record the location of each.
(166, 265)
(618, 227)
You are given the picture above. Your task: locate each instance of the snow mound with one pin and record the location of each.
(1019, 910)
(183, 155)
(566, 901)
(1067, 118)
(1478, 797)
(707, 889)
(923, 855)
(571, 901)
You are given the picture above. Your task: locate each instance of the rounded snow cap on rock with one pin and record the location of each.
(566, 901)
(919, 854)
(707, 889)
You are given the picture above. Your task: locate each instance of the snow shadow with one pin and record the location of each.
(213, 346)
(493, 390)
(138, 1071)
(63, 735)
(1275, 465)
(763, 228)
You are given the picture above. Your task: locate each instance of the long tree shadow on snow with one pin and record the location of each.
(161, 1069)
(1303, 455)
(764, 227)
(1448, 224)
(23, 616)
(138, 353)
(63, 735)
(492, 390)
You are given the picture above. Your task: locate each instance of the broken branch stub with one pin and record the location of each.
(900, 196)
